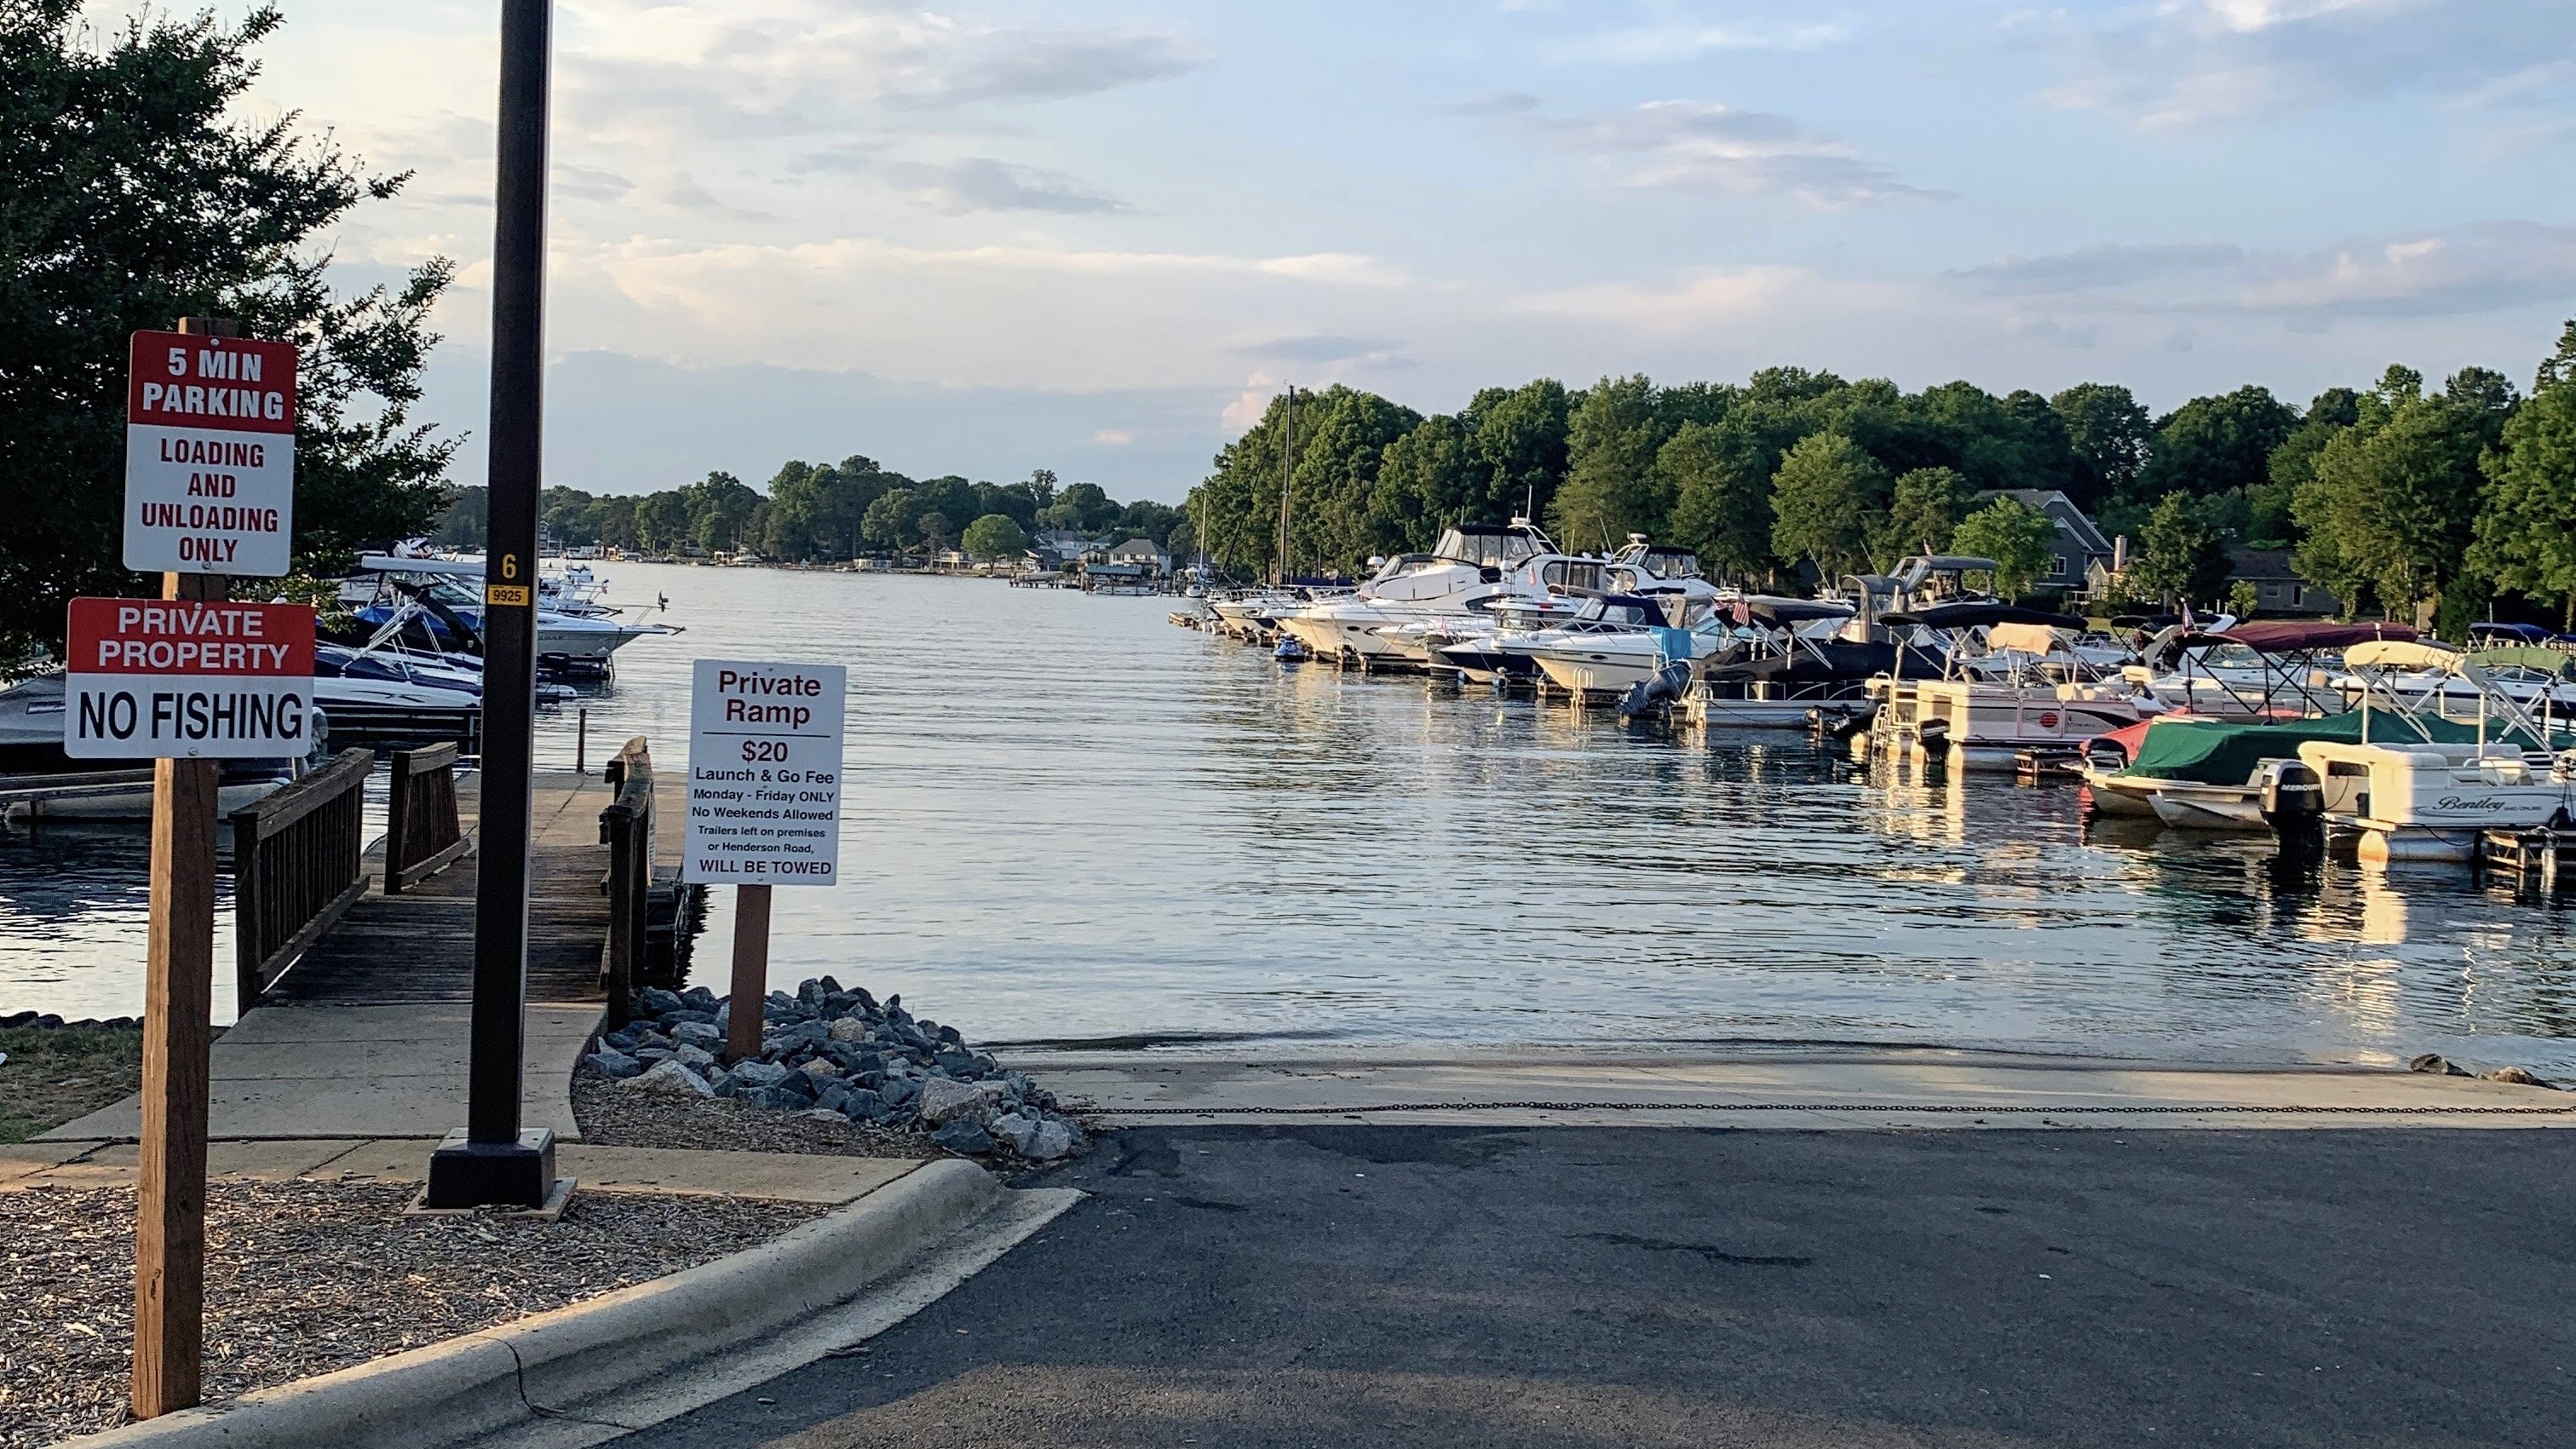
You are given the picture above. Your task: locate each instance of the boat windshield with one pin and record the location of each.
(1491, 547)
(1671, 563)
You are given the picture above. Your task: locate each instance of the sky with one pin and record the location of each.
(984, 238)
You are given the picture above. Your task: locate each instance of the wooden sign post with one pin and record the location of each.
(764, 803)
(231, 422)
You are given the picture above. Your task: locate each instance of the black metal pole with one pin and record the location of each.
(493, 1160)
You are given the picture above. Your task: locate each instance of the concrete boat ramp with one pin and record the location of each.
(1804, 1089)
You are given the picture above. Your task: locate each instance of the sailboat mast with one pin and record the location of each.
(1287, 470)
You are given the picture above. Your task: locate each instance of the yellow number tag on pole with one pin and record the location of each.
(506, 595)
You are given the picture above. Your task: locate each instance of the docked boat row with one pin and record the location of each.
(397, 664)
(2403, 748)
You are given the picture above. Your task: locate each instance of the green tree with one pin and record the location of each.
(2018, 537)
(1924, 512)
(894, 520)
(1824, 501)
(2392, 506)
(132, 193)
(995, 536)
(2181, 559)
(720, 509)
(1611, 487)
(662, 522)
(1720, 482)
(2525, 538)
(2210, 445)
(2109, 433)
(2271, 507)
(1521, 434)
(934, 526)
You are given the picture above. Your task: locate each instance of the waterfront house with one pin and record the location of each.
(2279, 592)
(1144, 553)
(2079, 544)
(1055, 548)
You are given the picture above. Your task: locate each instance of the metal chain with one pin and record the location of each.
(1893, 1107)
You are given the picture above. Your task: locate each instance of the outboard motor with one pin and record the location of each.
(1851, 725)
(1659, 691)
(2294, 799)
(1934, 735)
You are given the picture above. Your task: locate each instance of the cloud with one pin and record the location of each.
(2196, 63)
(1687, 39)
(978, 183)
(1705, 147)
(1493, 103)
(806, 67)
(1702, 297)
(2096, 267)
(588, 183)
(684, 193)
(1113, 437)
(1316, 350)
(2478, 267)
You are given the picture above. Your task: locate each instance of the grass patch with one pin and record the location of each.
(54, 1075)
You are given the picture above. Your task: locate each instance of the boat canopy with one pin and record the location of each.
(1778, 612)
(2290, 636)
(2527, 656)
(387, 563)
(2401, 654)
(1491, 545)
(1986, 613)
(2225, 752)
(2022, 638)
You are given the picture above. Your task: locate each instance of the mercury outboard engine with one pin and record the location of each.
(2294, 799)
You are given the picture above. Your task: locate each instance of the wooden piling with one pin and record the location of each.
(750, 970)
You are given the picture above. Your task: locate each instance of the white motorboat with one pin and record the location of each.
(1483, 649)
(32, 764)
(1622, 640)
(582, 630)
(1469, 566)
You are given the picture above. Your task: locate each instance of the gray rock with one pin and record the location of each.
(696, 1059)
(900, 1090)
(944, 1101)
(654, 1055)
(849, 1029)
(702, 1034)
(821, 1069)
(1014, 1131)
(653, 1001)
(1052, 1140)
(699, 998)
(955, 1064)
(818, 1114)
(964, 1135)
(759, 1074)
(2437, 1065)
(616, 1065)
(672, 1021)
(724, 1084)
(673, 1078)
(776, 1098)
(861, 1105)
(835, 1095)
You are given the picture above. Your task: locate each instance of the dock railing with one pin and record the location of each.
(626, 828)
(296, 856)
(423, 835)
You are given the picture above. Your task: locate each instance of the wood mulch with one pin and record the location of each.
(303, 1278)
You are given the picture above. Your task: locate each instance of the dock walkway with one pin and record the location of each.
(365, 1036)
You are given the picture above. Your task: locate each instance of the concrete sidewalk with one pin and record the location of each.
(1803, 1088)
(362, 1071)
(775, 1176)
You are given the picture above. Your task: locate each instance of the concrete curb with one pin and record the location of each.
(483, 1382)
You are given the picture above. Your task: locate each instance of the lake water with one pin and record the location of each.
(1067, 819)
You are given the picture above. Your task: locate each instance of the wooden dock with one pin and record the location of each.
(363, 1033)
(419, 946)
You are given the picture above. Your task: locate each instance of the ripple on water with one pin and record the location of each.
(1068, 820)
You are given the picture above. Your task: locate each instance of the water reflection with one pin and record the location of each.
(1068, 819)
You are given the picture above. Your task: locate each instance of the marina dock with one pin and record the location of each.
(363, 1032)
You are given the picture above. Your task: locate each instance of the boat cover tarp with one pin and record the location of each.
(1972, 614)
(2281, 636)
(2225, 752)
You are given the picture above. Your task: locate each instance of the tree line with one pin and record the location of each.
(2401, 499)
(824, 512)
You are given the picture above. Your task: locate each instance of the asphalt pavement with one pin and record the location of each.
(1557, 1287)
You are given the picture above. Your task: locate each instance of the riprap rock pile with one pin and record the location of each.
(828, 1048)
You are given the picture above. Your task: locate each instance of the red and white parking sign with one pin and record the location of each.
(209, 455)
(150, 678)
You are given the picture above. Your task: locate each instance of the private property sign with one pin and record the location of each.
(764, 774)
(150, 679)
(209, 455)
